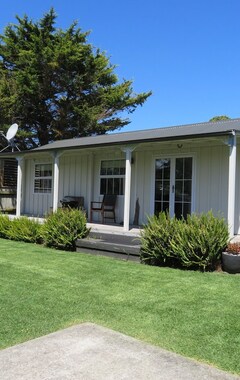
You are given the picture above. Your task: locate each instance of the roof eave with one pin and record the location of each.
(136, 141)
(49, 149)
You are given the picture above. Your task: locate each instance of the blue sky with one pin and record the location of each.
(187, 52)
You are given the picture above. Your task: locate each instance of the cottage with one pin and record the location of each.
(183, 169)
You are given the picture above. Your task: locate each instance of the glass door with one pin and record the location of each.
(173, 186)
(162, 185)
(183, 187)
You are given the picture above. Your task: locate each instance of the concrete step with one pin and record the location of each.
(116, 255)
(115, 238)
(114, 245)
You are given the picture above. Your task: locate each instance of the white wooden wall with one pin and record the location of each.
(210, 181)
(237, 197)
(74, 176)
(106, 155)
(210, 185)
(34, 204)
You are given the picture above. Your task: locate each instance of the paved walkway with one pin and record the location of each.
(91, 352)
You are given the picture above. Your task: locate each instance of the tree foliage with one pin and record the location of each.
(219, 118)
(56, 85)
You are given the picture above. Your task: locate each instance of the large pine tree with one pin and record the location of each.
(56, 85)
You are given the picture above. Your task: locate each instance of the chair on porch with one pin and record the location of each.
(107, 206)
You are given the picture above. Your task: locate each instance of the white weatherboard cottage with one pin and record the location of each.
(185, 169)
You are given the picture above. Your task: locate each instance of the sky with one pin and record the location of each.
(186, 52)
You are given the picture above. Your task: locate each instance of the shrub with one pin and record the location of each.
(63, 227)
(195, 243)
(5, 223)
(24, 229)
(199, 241)
(155, 241)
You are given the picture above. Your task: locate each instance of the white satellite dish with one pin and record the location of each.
(11, 133)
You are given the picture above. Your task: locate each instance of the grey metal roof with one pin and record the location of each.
(158, 134)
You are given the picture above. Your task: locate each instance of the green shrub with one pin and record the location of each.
(24, 229)
(155, 241)
(194, 243)
(5, 223)
(63, 227)
(199, 241)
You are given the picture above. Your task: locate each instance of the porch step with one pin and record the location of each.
(114, 245)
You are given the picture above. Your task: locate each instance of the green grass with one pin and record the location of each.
(194, 314)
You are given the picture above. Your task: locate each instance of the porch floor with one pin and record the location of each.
(114, 229)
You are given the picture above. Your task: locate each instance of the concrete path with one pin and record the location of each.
(91, 352)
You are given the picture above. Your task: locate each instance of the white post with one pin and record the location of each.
(19, 186)
(55, 181)
(90, 182)
(232, 182)
(126, 218)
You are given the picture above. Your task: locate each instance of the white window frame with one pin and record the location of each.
(112, 176)
(48, 190)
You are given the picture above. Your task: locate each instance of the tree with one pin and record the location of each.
(219, 118)
(56, 85)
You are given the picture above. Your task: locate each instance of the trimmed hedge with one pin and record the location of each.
(195, 243)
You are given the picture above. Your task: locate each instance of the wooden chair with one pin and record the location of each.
(107, 206)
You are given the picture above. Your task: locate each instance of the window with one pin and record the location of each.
(112, 177)
(43, 178)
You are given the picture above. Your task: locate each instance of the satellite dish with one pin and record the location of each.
(11, 133)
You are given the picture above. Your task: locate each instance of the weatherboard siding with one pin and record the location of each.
(210, 177)
(210, 180)
(144, 185)
(237, 199)
(73, 177)
(35, 204)
(106, 154)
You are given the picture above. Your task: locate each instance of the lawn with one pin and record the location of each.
(191, 313)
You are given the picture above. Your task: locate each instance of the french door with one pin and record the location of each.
(173, 186)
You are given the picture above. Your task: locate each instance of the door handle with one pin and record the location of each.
(173, 188)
